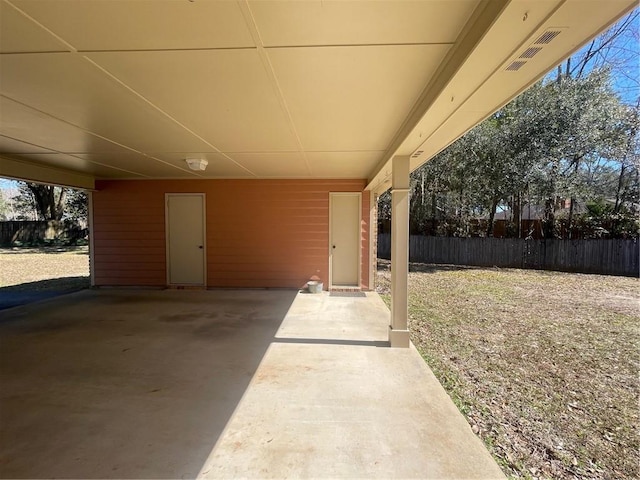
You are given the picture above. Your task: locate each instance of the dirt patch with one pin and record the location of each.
(544, 365)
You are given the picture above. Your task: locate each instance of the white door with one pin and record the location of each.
(344, 239)
(185, 239)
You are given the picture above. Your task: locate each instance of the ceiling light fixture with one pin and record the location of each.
(197, 164)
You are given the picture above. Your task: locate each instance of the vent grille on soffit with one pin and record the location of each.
(545, 39)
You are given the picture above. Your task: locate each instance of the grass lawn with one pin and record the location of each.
(544, 365)
(44, 268)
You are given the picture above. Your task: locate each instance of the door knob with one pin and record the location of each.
(200, 247)
(334, 246)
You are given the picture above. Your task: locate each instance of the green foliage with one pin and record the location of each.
(4, 207)
(47, 202)
(568, 140)
(602, 220)
(76, 206)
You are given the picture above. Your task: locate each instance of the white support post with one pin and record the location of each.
(398, 330)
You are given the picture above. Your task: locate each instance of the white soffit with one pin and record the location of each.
(348, 22)
(224, 96)
(484, 83)
(352, 98)
(342, 164)
(136, 164)
(220, 165)
(64, 161)
(10, 145)
(274, 164)
(77, 92)
(18, 34)
(262, 89)
(141, 24)
(32, 128)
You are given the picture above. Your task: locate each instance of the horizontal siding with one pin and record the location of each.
(260, 233)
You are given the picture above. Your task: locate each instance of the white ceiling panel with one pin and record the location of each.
(262, 88)
(70, 162)
(11, 145)
(137, 164)
(19, 34)
(34, 128)
(320, 22)
(343, 164)
(142, 24)
(219, 165)
(225, 96)
(352, 98)
(280, 164)
(69, 87)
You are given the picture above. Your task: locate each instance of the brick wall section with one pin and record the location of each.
(260, 233)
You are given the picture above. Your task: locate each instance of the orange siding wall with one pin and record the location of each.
(260, 233)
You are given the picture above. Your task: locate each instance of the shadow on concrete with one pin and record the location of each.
(385, 265)
(68, 249)
(24, 293)
(127, 384)
(332, 341)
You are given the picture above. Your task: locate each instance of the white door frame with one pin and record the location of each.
(332, 195)
(204, 233)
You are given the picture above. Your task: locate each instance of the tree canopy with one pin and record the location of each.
(568, 148)
(36, 201)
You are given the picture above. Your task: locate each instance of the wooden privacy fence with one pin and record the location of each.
(611, 257)
(35, 232)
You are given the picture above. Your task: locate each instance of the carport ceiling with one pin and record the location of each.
(118, 89)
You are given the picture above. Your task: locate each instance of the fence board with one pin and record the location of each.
(33, 232)
(604, 256)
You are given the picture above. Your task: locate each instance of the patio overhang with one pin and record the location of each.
(106, 90)
(265, 89)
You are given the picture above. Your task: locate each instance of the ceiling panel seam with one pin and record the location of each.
(349, 45)
(273, 79)
(111, 167)
(152, 50)
(72, 49)
(499, 67)
(63, 172)
(53, 151)
(472, 33)
(57, 37)
(174, 120)
(86, 131)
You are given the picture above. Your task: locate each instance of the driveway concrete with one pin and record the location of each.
(221, 384)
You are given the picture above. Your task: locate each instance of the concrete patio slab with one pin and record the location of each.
(221, 384)
(331, 400)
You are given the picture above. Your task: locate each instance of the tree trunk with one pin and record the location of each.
(548, 223)
(616, 208)
(572, 201)
(492, 214)
(49, 207)
(516, 211)
(434, 205)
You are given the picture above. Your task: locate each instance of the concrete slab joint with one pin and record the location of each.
(398, 331)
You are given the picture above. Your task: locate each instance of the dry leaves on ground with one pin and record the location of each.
(44, 268)
(543, 364)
